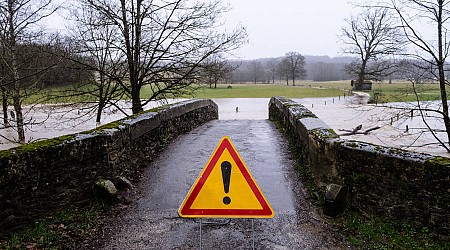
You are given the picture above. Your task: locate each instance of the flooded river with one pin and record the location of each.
(397, 129)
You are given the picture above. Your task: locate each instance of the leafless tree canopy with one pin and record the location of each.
(19, 25)
(271, 67)
(215, 69)
(295, 66)
(372, 36)
(422, 28)
(123, 46)
(292, 66)
(283, 70)
(431, 51)
(257, 71)
(162, 43)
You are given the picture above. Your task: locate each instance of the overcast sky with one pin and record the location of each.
(310, 27)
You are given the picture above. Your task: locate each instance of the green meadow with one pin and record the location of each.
(265, 91)
(405, 91)
(383, 91)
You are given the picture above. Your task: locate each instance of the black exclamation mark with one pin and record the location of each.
(226, 175)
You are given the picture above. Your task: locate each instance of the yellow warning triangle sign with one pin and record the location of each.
(225, 189)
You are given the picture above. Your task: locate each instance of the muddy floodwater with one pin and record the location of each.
(397, 128)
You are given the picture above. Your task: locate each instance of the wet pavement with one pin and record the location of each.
(152, 221)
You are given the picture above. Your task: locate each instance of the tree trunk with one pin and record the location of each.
(136, 100)
(11, 43)
(441, 69)
(444, 101)
(132, 49)
(17, 98)
(101, 104)
(19, 115)
(5, 106)
(293, 75)
(98, 119)
(362, 73)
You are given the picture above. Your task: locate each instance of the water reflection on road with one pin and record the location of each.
(152, 221)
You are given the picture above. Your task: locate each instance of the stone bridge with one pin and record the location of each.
(46, 176)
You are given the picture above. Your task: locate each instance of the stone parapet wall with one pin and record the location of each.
(45, 176)
(382, 181)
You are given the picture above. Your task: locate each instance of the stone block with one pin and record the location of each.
(105, 190)
(335, 200)
(123, 183)
(143, 124)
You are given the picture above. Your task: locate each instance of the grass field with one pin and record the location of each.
(265, 91)
(404, 91)
(395, 92)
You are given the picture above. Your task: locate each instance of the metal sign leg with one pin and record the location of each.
(201, 247)
(253, 234)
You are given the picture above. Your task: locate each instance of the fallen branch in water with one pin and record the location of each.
(356, 131)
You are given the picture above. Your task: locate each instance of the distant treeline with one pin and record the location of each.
(47, 66)
(318, 68)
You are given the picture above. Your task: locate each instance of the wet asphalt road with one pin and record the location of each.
(152, 222)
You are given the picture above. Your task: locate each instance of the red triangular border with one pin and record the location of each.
(186, 210)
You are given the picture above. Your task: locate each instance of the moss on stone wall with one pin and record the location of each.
(49, 175)
(437, 162)
(384, 181)
(111, 125)
(38, 145)
(324, 133)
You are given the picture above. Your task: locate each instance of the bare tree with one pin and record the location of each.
(216, 69)
(284, 70)
(271, 67)
(296, 66)
(432, 51)
(19, 21)
(3, 85)
(321, 71)
(95, 43)
(164, 43)
(372, 35)
(256, 70)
